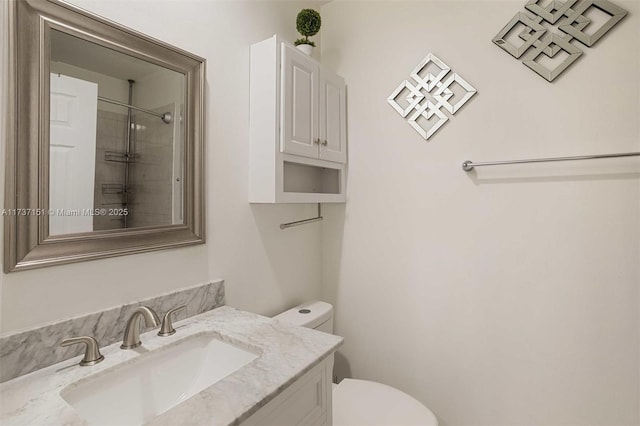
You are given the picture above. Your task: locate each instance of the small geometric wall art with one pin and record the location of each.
(570, 18)
(431, 89)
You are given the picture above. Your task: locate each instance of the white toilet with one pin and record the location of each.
(361, 402)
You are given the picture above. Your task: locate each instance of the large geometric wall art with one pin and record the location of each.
(431, 89)
(570, 18)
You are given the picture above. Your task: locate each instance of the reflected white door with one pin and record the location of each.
(74, 107)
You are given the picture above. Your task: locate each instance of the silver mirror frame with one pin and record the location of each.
(27, 242)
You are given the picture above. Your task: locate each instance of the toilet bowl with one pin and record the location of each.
(361, 402)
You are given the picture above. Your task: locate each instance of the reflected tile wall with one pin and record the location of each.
(111, 135)
(151, 198)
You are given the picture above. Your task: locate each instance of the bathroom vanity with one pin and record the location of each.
(222, 367)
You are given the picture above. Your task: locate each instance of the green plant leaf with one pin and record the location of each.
(308, 23)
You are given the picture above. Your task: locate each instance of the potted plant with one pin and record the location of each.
(308, 24)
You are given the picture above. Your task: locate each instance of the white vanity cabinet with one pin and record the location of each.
(298, 140)
(306, 402)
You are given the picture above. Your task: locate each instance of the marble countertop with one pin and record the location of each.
(286, 353)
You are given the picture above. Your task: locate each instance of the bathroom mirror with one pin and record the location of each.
(105, 139)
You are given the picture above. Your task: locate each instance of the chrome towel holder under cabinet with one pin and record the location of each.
(467, 166)
(304, 221)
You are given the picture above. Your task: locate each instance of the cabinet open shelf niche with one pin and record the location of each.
(311, 179)
(298, 146)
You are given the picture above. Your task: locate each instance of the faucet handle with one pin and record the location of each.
(166, 329)
(92, 353)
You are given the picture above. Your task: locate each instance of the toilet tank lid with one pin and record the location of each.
(311, 314)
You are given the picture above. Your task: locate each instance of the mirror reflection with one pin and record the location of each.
(116, 139)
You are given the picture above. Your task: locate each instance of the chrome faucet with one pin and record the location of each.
(132, 330)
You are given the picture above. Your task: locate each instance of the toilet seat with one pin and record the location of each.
(366, 403)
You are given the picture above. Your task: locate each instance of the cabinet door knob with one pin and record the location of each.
(316, 141)
(325, 143)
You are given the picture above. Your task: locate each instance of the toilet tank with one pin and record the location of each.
(317, 315)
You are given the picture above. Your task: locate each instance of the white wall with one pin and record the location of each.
(265, 269)
(505, 297)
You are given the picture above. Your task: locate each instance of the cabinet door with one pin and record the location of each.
(333, 114)
(306, 402)
(299, 118)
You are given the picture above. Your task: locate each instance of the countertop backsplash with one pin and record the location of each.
(29, 350)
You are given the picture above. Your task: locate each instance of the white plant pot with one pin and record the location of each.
(306, 48)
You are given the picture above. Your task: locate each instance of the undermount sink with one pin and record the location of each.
(136, 392)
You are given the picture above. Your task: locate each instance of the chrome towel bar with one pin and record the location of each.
(467, 166)
(304, 221)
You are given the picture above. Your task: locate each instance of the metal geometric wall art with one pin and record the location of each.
(423, 98)
(572, 23)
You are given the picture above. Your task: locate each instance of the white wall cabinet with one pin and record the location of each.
(313, 118)
(297, 127)
(306, 402)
